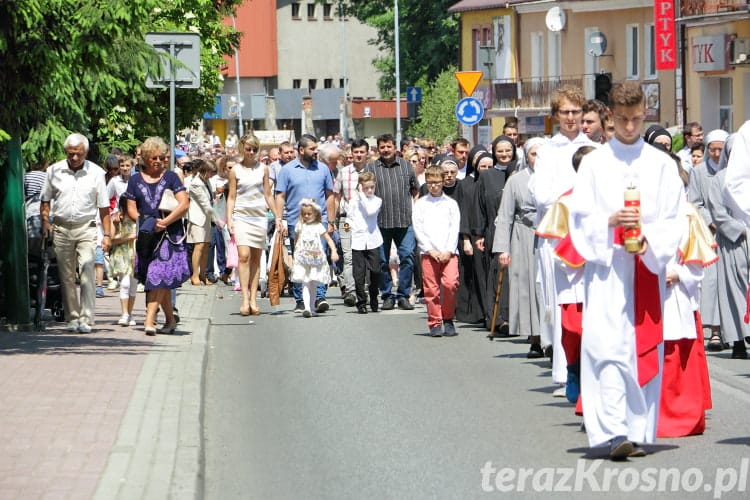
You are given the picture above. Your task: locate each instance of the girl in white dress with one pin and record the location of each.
(310, 263)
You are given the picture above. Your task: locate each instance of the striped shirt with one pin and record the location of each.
(394, 184)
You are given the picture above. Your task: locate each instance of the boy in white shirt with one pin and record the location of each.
(366, 239)
(436, 220)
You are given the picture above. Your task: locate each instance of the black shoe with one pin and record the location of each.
(548, 351)
(389, 304)
(403, 303)
(176, 315)
(212, 279)
(449, 329)
(739, 351)
(374, 304)
(321, 306)
(362, 309)
(299, 307)
(620, 448)
(715, 344)
(638, 451)
(306, 314)
(535, 352)
(436, 331)
(350, 300)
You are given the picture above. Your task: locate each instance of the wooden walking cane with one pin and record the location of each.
(500, 272)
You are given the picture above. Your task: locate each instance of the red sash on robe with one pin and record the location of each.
(648, 326)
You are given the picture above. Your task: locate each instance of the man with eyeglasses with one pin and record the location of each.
(76, 191)
(554, 175)
(691, 134)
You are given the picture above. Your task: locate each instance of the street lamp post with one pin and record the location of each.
(344, 114)
(237, 80)
(398, 74)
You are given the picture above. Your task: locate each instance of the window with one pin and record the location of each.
(328, 83)
(725, 104)
(632, 62)
(312, 83)
(341, 83)
(327, 11)
(553, 49)
(311, 11)
(296, 83)
(649, 52)
(537, 55)
(476, 36)
(295, 10)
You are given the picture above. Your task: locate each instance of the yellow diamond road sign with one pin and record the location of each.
(468, 80)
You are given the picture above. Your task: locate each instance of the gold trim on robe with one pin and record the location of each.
(697, 245)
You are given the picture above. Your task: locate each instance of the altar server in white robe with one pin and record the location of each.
(554, 175)
(737, 188)
(621, 347)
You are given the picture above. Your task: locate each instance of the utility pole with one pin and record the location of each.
(398, 75)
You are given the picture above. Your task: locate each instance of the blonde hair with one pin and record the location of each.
(309, 202)
(152, 147)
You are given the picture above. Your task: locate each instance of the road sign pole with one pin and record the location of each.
(172, 92)
(398, 76)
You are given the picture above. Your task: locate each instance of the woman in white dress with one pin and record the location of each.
(247, 206)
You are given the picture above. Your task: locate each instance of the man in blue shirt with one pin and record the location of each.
(302, 178)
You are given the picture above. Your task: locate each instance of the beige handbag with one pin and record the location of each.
(168, 201)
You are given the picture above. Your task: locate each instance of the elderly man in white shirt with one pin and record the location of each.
(76, 191)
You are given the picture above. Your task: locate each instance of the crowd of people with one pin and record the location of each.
(607, 250)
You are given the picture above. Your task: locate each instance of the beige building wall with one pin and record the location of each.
(704, 87)
(573, 63)
(312, 49)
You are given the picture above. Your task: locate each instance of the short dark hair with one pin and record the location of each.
(688, 130)
(596, 106)
(460, 140)
(306, 140)
(579, 154)
(386, 138)
(360, 143)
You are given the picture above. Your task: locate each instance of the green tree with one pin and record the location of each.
(80, 66)
(428, 39)
(436, 118)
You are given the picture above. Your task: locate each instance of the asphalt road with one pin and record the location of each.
(348, 406)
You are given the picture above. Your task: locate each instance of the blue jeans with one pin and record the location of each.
(218, 248)
(320, 292)
(405, 242)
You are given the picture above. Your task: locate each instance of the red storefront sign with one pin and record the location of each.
(665, 43)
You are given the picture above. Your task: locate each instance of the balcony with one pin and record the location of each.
(707, 7)
(529, 93)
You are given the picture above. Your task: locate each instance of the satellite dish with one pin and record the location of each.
(555, 19)
(596, 44)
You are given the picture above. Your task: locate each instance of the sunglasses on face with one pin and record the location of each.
(158, 158)
(251, 149)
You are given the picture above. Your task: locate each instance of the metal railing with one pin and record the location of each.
(529, 92)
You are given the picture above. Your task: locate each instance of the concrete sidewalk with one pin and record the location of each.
(110, 414)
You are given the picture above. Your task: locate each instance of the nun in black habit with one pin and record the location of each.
(489, 193)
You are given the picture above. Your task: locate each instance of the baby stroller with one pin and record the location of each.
(44, 282)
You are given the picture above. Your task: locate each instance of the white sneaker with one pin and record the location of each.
(559, 392)
(140, 288)
(84, 328)
(72, 326)
(124, 320)
(112, 285)
(131, 322)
